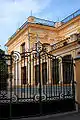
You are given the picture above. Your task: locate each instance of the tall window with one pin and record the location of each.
(67, 69)
(55, 71)
(23, 74)
(23, 48)
(36, 74)
(44, 73)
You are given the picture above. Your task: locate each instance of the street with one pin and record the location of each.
(67, 116)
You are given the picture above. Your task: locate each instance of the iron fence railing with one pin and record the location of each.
(73, 15)
(36, 21)
(48, 22)
(31, 85)
(44, 22)
(35, 85)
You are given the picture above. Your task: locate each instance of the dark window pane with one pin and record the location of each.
(44, 73)
(23, 48)
(67, 69)
(55, 71)
(36, 74)
(23, 74)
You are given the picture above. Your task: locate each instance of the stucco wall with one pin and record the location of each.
(15, 45)
(77, 63)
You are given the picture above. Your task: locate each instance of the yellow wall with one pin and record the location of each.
(46, 34)
(70, 29)
(77, 63)
(15, 45)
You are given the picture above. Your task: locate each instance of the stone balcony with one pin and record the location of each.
(67, 41)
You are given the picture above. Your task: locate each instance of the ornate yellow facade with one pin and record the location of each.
(62, 38)
(55, 34)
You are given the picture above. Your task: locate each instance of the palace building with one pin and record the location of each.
(61, 39)
(39, 72)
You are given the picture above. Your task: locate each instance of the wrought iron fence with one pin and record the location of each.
(34, 78)
(33, 73)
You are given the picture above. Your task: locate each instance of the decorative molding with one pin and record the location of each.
(77, 58)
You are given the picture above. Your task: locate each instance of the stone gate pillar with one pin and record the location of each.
(77, 69)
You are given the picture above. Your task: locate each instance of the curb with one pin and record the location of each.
(50, 115)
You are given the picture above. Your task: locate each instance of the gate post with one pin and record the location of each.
(40, 86)
(77, 68)
(10, 86)
(40, 92)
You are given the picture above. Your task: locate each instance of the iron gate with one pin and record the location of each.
(33, 83)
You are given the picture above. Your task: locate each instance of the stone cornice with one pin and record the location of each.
(77, 58)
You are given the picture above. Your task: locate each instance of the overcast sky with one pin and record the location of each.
(13, 13)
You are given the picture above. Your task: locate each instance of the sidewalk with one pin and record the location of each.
(64, 116)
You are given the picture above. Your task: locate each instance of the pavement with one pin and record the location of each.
(64, 116)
